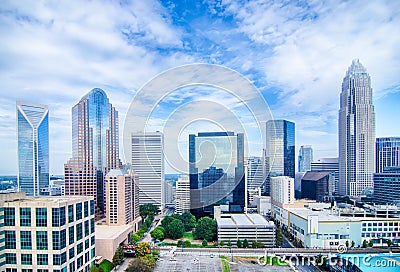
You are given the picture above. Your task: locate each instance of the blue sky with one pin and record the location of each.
(295, 52)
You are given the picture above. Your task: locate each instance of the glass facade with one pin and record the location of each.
(9, 216)
(25, 217)
(41, 217)
(387, 153)
(41, 240)
(280, 149)
(33, 147)
(26, 239)
(10, 239)
(216, 171)
(100, 147)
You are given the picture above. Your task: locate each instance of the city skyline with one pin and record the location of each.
(129, 49)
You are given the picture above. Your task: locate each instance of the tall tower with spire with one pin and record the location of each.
(95, 148)
(356, 132)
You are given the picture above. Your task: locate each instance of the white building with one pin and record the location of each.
(282, 190)
(47, 233)
(182, 195)
(253, 227)
(356, 132)
(263, 204)
(148, 164)
(329, 228)
(122, 197)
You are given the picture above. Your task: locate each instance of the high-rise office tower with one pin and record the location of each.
(121, 197)
(387, 153)
(182, 196)
(305, 158)
(216, 172)
(33, 147)
(95, 147)
(328, 164)
(280, 150)
(148, 164)
(356, 132)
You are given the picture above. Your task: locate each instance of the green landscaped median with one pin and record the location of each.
(225, 265)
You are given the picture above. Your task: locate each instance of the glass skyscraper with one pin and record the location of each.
(95, 147)
(33, 147)
(216, 172)
(280, 149)
(356, 132)
(305, 158)
(387, 153)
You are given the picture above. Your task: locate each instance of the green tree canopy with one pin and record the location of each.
(175, 229)
(204, 243)
(147, 210)
(245, 243)
(158, 233)
(239, 243)
(188, 220)
(166, 221)
(118, 256)
(139, 265)
(135, 238)
(206, 228)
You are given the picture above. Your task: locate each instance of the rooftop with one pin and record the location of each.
(111, 232)
(243, 220)
(315, 175)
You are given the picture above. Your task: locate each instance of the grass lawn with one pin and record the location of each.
(225, 265)
(106, 265)
(275, 261)
(188, 236)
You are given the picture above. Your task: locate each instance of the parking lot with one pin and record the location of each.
(188, 263)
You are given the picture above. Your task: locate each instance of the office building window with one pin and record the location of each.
(58, 216)
(42, 259)
(92, 240)
(26, 239)
(87, 244)
(78, 211)
(79, 248)
(86, 225)
(86, 209)
(71, 233)
(11, 258)
(56, 240)
(92, 225)
(41, 240)
(70, 213)
(63, 257)
(56, 259)
(26, 259)
(10, 239)
(25, 217)
(79, 233)
(9, 216)
(91, 207)
(41, 217)
(71, 253)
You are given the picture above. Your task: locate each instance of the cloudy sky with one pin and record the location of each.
(295, 52)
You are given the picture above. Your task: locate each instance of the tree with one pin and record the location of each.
(179, 244)
(138, 265)
(206, 228)
(370, 244)
(135, 238)
(175, 229)
(239, 243)
(347, 244)
(166, 221)
(147, 210)
(364, 244)
(221, 243)
(118, 256)
(245, 243)
(229, 243)
(279, 238)
(389, 242)
(254, 244)
(204, 243)
(142, 249)
(353, 243)
(158, 233)
(187, 243)
(188, 220)
(96, 268)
